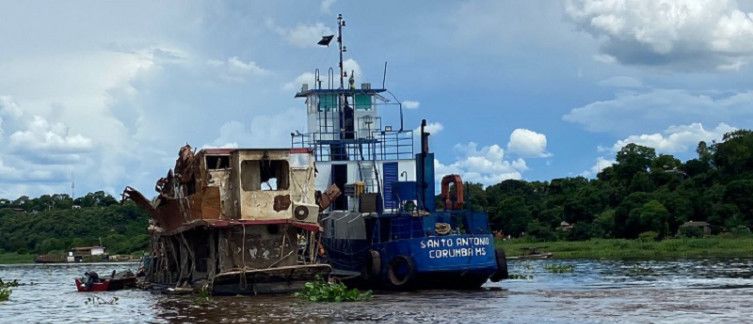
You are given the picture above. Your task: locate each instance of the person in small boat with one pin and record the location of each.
(91, 278)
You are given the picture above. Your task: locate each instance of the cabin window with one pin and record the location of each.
(264, 175)
(327, 102)
(363, 102)
(215, 162)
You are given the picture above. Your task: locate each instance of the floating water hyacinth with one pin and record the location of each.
(559, 268)
(322, 291)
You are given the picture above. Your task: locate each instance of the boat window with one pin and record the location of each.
(264, 175)
(327, 102)
(363, 102)
(215, 162)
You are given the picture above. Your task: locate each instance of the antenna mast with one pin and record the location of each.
(73, 186)
(340, 25)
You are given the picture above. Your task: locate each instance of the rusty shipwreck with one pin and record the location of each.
(234, 221)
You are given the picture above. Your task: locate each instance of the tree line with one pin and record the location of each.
(641, 193)
(56, 223)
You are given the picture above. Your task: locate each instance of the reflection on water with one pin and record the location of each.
(596, 291)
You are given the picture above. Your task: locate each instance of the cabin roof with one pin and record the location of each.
(338, 91)
(228, 151)
(695, 223)
(83, 248)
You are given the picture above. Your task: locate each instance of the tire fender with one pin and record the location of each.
(501, 272)
(394, 275)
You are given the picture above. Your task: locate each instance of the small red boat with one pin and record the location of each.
(96, 286)
(116, 281)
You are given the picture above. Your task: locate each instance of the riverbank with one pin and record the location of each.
(619, 249)
(15, 258)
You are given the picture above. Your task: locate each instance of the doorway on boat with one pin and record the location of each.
(339, 178)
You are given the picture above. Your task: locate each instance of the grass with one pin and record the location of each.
(14, 258)
(620, 249)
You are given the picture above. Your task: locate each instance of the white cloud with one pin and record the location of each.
(682, 138)
(644, 112)
(411, 104)
(486, 165)
(301, 35)
(49, 138)
(304, 78)
(527, 143)
(9, 107)
(62, 104)
(235, 69)
(684, 34)
(601, 164)
(432, 128)
(262, 131)
(349, 65)
(326, 5)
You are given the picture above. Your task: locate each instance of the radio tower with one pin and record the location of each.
(73, 187)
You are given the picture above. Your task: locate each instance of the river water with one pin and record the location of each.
(596, 291)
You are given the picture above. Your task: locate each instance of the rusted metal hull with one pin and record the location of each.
(219, 225)
(235, 258)
(267, 281)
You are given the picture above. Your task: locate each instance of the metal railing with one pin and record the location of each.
(353, 146)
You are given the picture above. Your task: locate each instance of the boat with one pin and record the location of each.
(116, 281)
(385, 230)
(233, 221)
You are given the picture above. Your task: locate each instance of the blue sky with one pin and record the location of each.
(105, 93)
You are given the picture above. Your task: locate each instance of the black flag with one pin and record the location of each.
(325, 40)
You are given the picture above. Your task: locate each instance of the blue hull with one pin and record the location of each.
(448, 261)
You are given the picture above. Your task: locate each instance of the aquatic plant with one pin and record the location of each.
(559, 268)
(5, 290)
(323, 291)
(5, 294)
(640, 270)
(203, 295)
(520, 276)
(9, 284)
(526, 268)
(96, 300)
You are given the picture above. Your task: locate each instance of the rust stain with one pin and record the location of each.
(281, 202)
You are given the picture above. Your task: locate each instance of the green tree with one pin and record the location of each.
(512, 215)
(631, 159)
(734, 156)
(653, 217)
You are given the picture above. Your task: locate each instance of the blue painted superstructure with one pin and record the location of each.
(385, 228)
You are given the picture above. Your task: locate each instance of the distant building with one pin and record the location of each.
(704, 226)
(565, 226)
(87, 251)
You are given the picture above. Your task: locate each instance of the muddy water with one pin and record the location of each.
(680, 291)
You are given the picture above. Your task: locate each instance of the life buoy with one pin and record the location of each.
(401, 271)
(501, 272)
(449, 203)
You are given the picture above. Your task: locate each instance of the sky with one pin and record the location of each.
(103, 94)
